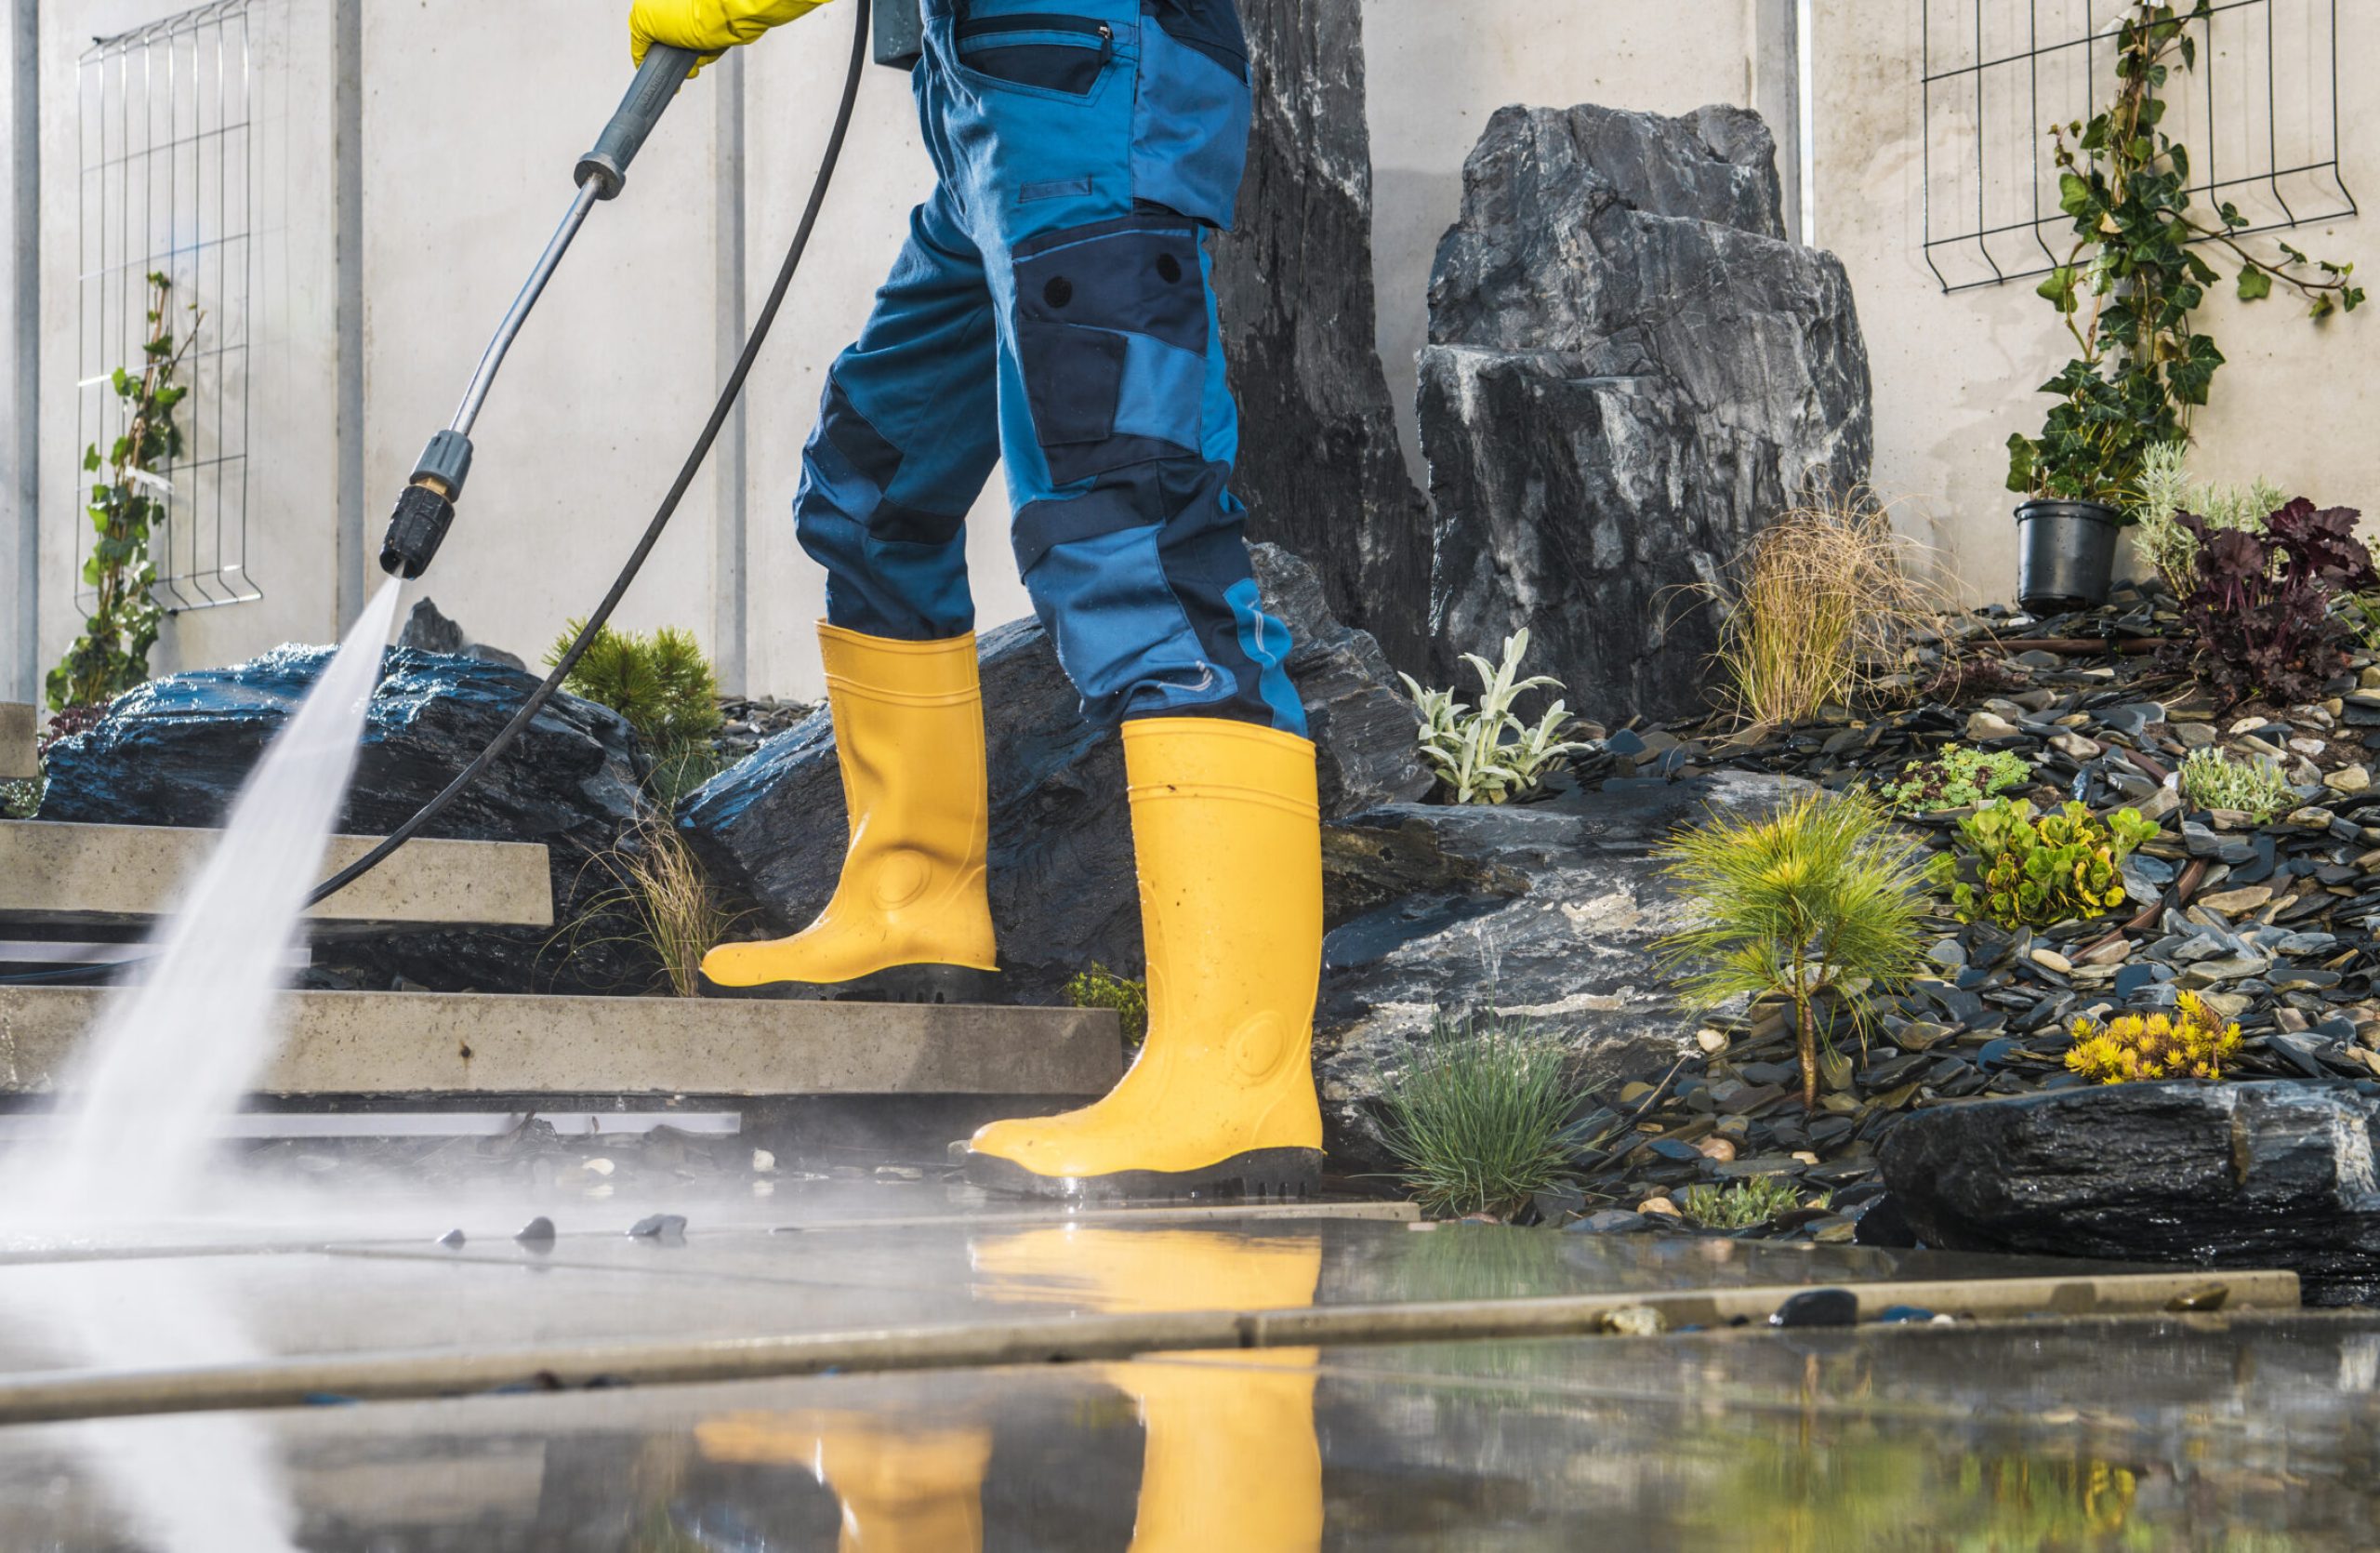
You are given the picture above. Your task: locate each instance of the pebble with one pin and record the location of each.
(659, 1226)
(1817, 1307)
(537, 1231)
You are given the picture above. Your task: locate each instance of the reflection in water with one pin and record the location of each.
(192, 1484)
(1231, 1458)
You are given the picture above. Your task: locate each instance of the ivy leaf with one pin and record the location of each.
(2255, 285)
(2059, 287)
(2074, 195)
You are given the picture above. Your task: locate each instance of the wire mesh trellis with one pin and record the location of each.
(165, 151)
(2259, 114)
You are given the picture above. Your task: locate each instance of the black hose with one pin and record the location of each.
(728, 395)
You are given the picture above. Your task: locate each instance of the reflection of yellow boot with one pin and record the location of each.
(914, 1492)
(1221, 1098)
(912, 918)
(1231, 1459)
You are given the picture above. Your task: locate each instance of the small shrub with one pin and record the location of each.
(2193, 1042)
(1820, 611)
(1480, 1121)
(2166, 492)
(1818, 901)
(1100, 987)
(2021, 872)
(2254, 786)
(19, 800)
(2259, 611)
(1489, 755)
(663, 686)
(1958, 777)
(1739, 1207)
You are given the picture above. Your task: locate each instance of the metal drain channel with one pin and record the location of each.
(427, 1375)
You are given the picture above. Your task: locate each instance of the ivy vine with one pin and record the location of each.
(2132, 282)
(112, 656)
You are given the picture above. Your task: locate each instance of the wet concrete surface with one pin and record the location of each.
(2217, 1431)
(2230, 1433)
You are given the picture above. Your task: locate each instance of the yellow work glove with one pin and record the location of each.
(708, 27)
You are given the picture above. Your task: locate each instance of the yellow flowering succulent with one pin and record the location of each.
(2190, 1042)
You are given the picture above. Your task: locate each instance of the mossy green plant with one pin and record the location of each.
(1482, 1117)
(1957, 777)
(1100, 987)
(2021, 871)
(1816, 903)
(1741, 1205)
(2253, 785)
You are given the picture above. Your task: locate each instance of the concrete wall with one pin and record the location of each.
(1956, 374)
(417, 156)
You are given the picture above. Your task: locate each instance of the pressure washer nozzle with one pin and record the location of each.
(415, 530)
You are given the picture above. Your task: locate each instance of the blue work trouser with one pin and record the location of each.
(1053, 308)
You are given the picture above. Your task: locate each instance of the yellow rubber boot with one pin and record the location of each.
(912, 918)
(1231, 1459)
(1221, 1101)
(903, 1490)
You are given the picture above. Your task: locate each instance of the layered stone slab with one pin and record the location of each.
(66, 875)
(463, 1044)
(17, 725)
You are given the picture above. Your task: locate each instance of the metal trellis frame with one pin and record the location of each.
(166, 155)
(1999, 73)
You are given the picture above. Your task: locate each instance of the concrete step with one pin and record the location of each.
(465, 1044)
(17, 727)
(54, 875)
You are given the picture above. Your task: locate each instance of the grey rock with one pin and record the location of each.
(2221, 1176)
(176, 751)
(427, 630)
(1543, 911)
(1320, 464)
(771, 830)
(1631, 371)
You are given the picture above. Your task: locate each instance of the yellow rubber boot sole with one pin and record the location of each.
(1221, 1101)
(911, 917)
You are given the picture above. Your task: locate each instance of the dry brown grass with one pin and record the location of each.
(1824, 608)
(664, 900)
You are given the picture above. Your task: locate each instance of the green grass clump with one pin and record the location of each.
(2255, 786)
(1100, 987)
(1741, 1205)
(1820, 901)
(1958, 777)
(662, 685)
(1480, 1121)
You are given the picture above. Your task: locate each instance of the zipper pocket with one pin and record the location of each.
(1038, 48)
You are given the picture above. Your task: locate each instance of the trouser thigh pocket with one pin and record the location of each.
(1111, 329)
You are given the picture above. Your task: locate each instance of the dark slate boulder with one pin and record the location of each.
(2219, 1175)
(1631, 372)
(771, 830)
(176, 751)
(1547, 912)
(1320, 466)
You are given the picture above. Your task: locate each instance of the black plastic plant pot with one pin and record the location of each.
(2066, 554)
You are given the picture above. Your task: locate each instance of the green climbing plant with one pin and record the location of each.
(112, 656)
(2132, 283)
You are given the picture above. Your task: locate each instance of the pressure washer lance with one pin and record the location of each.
(426, 509)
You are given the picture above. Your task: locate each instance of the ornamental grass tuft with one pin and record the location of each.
(1820, 610)
(2191, 1043)
(1481, 1120)
(1818, 902)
